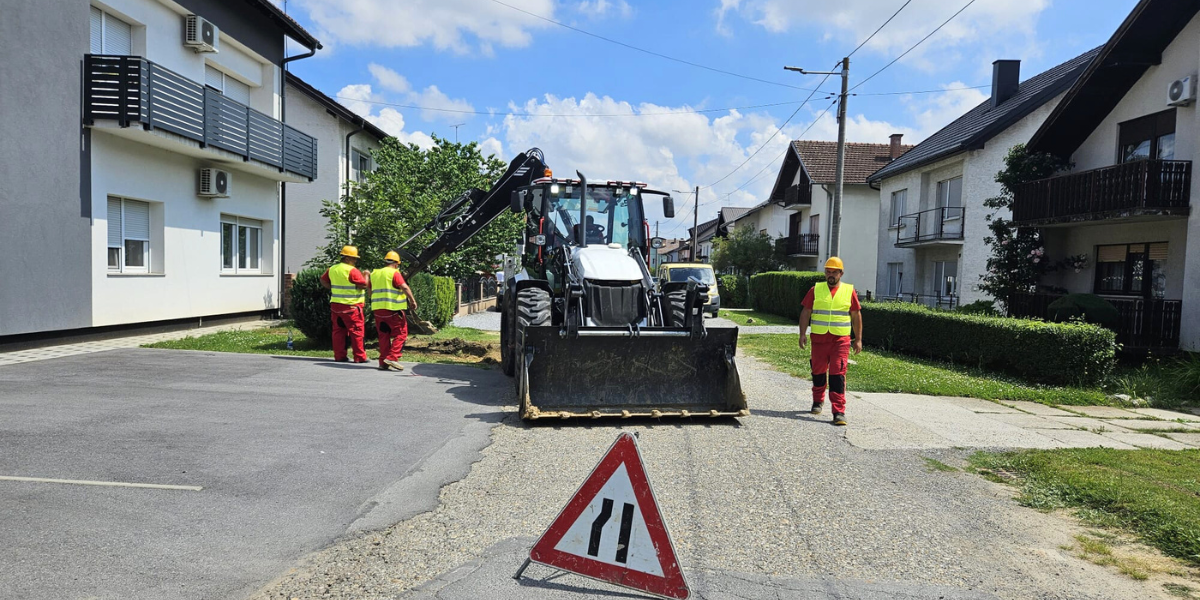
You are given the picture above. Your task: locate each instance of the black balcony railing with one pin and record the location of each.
(948, 302)
(131, 89)
(1144, 323)
(797, 194)
(804, 244)
(1141, 187)
(933, 225)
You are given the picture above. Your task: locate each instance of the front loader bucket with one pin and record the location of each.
(607, 372)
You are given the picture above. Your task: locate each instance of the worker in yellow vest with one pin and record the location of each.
(832, 309)
(390, 297)
(347, 286)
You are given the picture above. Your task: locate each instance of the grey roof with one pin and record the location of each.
(707, 230)
(334, 106)
(972, 130)
(733, 213)
(293, 29)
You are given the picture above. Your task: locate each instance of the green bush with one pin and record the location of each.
(732, 289)
(437, 298)
(979, 307)
(780, 292)
(1089, 307)
(1052, 353)
(309, 306)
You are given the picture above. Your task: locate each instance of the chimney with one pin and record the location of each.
(1006, 77)
(895, 137)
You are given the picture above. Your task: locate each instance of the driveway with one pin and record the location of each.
(289, 454)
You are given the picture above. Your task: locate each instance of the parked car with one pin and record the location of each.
(702, 272)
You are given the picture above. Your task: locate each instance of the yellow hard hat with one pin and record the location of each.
(834, 263)
(392, 257)
(350, 251)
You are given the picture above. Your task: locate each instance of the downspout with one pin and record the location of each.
(828, 224)
(347, 186)
(283, 184)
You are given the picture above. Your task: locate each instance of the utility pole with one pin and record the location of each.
(835, 233)
(695, 224)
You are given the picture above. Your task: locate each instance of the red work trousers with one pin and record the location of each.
(393, 331)
(348, 319)
(829, 356)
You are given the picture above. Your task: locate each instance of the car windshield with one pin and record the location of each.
(614, 215)
(683, 273)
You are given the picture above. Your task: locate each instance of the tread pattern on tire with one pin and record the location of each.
(533, 308)
(677, 305)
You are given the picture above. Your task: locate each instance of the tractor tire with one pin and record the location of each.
(676, 308)
(508, 339)
(532, 310)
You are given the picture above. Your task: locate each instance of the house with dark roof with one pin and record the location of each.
(931, 219)
(345, 143)
(704, 233)
(1119, 223)
(800, 206)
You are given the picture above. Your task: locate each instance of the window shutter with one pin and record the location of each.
(1158, 251)
(1111, 253)
(118, 36)
(237, 90)
(97, 31)
(114, 223)
(249, 222)
(214, 78)
(137, 220)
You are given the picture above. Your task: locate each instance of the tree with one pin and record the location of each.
(1018, 258)
(745, 251)
(409, 187)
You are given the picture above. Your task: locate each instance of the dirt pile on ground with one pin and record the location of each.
(480, 351)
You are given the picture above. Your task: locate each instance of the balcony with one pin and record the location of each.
(1144, 323)
(1136, 189)
(949, 302)
(931, 227)
(804, 244)
(132, 90)
(796, 195)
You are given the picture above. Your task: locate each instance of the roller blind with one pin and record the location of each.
(137, 220)
(1111, 253)
(1158, 251)
(214, 78)
(114, 223)
(237, 90)
(118, 36)
(97, 31)
(249, 222)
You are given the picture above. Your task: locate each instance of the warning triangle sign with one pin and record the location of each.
(611, 529)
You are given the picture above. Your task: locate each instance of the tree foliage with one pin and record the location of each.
(407, 189)
(1018, 258)
(745, 251)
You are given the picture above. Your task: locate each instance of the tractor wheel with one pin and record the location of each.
(507, 339)
(532, 310)
(676, 308)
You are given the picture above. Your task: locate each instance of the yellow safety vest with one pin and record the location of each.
(383, 295)
(344, 292)
(831, 313)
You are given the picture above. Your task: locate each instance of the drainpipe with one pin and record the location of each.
(828, 224)
(283, 184)
(347, 187)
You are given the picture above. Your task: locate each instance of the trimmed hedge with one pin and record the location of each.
(1089, 307)
(1051, 353)
(437, 298)
(780, 292)
(309, 308)
(732, 289)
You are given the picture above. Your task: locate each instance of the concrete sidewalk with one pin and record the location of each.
(133, 341)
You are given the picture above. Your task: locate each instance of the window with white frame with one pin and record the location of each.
(899, 199)
(128, 236)
(361, 162)
(222, 82)
(949, 197)
(945, 278)
(110, 35)
(241, 244)
(895, 273)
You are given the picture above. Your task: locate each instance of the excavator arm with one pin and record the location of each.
(473, 210)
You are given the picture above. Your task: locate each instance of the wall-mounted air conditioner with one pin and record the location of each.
(214, 183)
(200, 35)
(1182, 91)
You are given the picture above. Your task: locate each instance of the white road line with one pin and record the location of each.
(153, 486)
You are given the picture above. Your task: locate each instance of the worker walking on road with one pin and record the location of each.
(347, 287)
(833, 311)
(390, 296)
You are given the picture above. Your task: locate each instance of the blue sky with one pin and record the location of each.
(615, 112)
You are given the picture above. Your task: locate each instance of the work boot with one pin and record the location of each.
(817, 407)
(395, 366)
(839, 419)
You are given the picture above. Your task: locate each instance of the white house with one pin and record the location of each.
(1130, 129)
(931, 220)
(344, 156)
(143, 166)
(803, 195)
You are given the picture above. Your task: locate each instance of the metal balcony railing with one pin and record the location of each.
(933, 225)
(1141, 187)
(804, 244)
(131, 89)
(931, 300)
(1143, 323)
(797, 194)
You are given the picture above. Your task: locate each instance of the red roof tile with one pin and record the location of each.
(820, 159)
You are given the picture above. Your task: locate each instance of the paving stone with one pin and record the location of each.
(1169, 415)
(1089, 423)
(958, 425)
(1086, 439)
(1030, 421)
(1038, 409)
(1104, 412)
(1146, 440)
(1144, 425)
(983, 406)
(1191, 439)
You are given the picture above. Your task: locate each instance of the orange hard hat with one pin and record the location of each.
(834, 263)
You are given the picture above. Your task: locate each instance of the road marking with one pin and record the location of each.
(153, 486)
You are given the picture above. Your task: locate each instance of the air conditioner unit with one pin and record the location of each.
(200, 35)
(214, 183)
(1182, 92)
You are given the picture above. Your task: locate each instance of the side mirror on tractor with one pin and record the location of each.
(518, 201)
(668, 207)
(658, 242)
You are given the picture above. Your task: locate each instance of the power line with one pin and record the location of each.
(914, 46)
(958, 89)
(650, 52)
(526, 114)
(864, 42)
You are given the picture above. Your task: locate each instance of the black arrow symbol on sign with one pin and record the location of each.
(606, 510)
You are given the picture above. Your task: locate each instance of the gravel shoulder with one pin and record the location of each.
(775, 498)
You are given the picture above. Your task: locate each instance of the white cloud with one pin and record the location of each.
(492, 146)
(363, 101)
(601, 8)
(389, 79)
(432, 97)
(455, 25)
(943, 108)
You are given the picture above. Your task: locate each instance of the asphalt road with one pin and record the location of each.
(291, 454)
